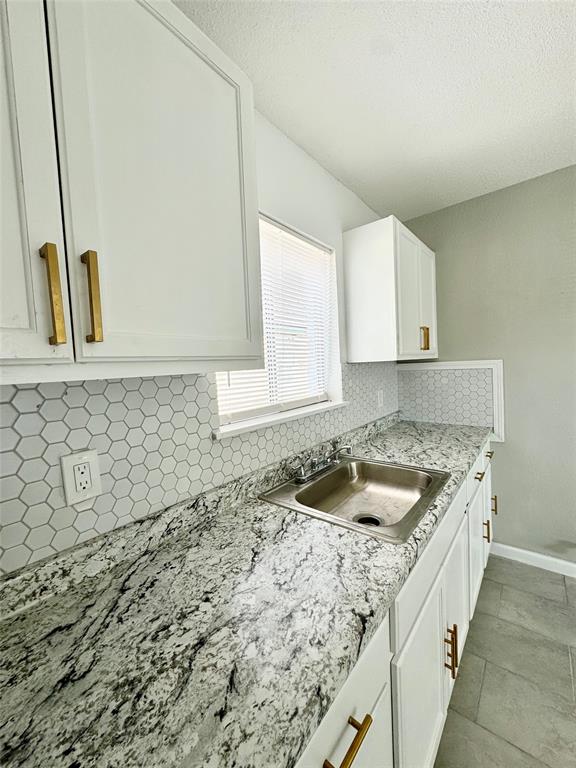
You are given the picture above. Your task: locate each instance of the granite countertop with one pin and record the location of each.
(221, 645)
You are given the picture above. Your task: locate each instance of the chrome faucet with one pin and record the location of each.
(317, 465)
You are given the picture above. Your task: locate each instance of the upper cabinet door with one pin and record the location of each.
(158, 176)
(34, 310)
(427, 288)
(408, 292)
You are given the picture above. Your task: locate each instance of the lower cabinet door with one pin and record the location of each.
(360, 712)
(418, 686)
(488, 532)
(456, 604)
(476, 517)
(376, 750)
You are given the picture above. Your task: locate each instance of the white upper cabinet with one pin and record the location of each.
(157, 176)
(31, 215)
(390, 293)
(427, 302)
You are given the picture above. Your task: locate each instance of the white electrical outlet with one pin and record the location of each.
(81, 475)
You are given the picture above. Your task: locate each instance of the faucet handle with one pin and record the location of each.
(301, 471)
(315, 462)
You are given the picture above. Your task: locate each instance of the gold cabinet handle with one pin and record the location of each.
(479, 476)
(495, 504)
(452, 654)
(49, 252)
(424, 338)
(90, 258)
(350, 755)
(487, 535)
(489, 454)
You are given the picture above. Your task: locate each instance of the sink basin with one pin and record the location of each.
(380, 499)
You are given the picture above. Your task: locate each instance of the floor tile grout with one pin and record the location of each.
(481, 689)
(529, 592)
(525, 628)
(499, 736)
(572, 672)
(547, 691)
(562, 703)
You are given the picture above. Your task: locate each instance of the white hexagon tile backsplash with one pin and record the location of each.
(447, 396)
(155, 448)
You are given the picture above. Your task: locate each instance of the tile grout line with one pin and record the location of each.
(572, 672)
(501, 738)
(564, 646)
(546, 691)
(498, 735)
(539, 635)
(529, 629)
(528, 592)
(481, 689)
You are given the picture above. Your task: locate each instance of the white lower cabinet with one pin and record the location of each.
(479, 527)
(476, 547)
(418, 687)
(404, 679)
(425, 667)
(456, 603)
(365, 700)
(487, 492)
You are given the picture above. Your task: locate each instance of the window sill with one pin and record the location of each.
(268, 420)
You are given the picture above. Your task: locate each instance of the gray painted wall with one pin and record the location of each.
(506, 271)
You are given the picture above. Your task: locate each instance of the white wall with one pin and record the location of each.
(295, 189)
(178, 458)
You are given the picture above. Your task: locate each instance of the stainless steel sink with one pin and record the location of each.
(380, 499)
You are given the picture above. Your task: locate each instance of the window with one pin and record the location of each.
(300, 330)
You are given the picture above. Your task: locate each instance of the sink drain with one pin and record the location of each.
(368, 520)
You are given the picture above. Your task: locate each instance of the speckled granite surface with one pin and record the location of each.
(216, 634)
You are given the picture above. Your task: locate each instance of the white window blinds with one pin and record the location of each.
(299, 310)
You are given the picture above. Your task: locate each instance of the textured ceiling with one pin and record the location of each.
(413, 105)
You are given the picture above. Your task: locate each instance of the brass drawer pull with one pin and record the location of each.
(452, 654)
(479, 476)
(487, 536)
(350, 755)
(495, 504)
(489, 454)
(90, 258)
(424, 338)
(49, 253)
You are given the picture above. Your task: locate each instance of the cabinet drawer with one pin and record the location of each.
(365, 692)
(408, 604)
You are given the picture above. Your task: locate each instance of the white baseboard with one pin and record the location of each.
(548, 563)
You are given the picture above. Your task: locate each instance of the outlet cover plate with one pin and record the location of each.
(74, 496)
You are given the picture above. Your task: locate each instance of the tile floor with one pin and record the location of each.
(514, 703)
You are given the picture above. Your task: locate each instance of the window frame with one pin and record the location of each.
(289, 411)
